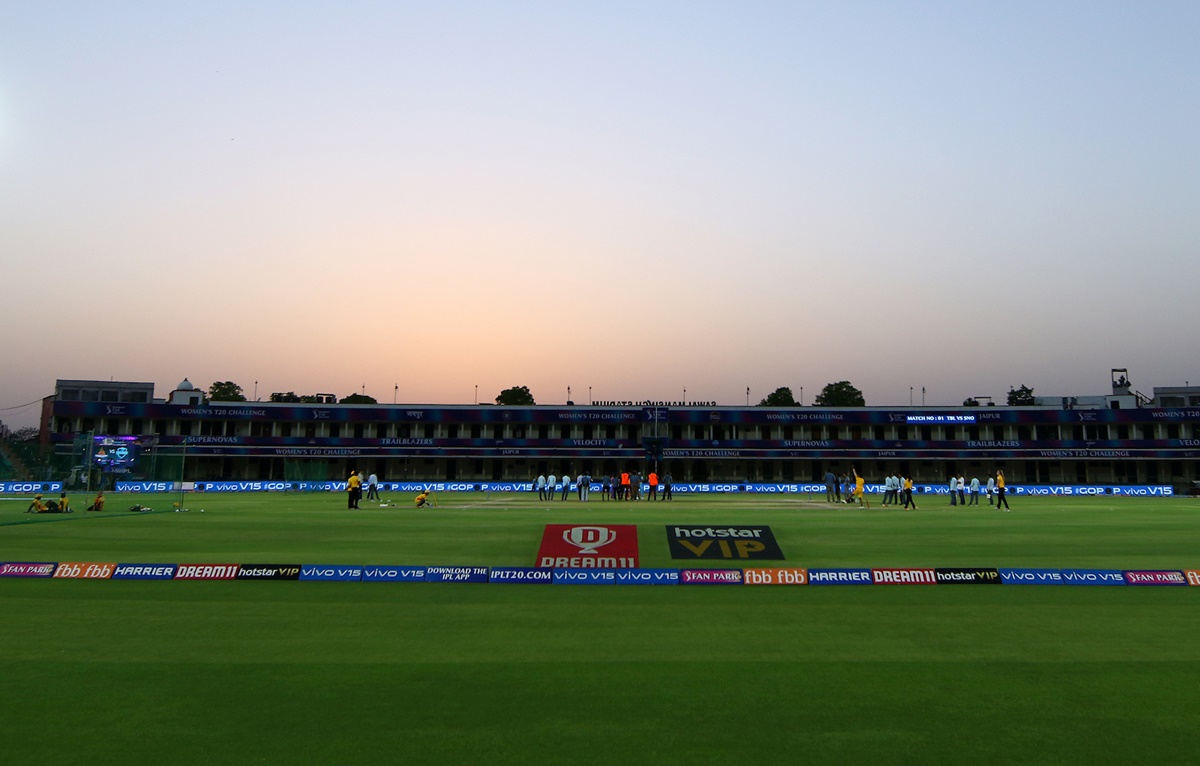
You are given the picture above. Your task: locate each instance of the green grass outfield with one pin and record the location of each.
(126, 672)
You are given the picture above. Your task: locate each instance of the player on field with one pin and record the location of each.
(1001, 499)
(353, 490)
(859, 490)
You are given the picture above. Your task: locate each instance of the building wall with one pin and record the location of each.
(250, 441)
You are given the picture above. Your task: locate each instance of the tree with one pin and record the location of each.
(226, 391)
(840, 394)
(517, 395)
(26, 434)
(358, 399)
(780, 397)
(970, 402)
(1022, 396)
(288, 398)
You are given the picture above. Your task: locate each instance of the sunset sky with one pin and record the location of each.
(640, 197)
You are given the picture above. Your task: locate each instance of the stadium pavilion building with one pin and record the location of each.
(1121, 438)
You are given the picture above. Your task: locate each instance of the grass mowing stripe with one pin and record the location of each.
(601, 713)
(72, 517)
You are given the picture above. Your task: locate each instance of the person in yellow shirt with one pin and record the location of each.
(37, 506)
(353, 490)
(859, 490)
(425, 499)
(908, 498)
(98, 503)
(64, 503)
(1000, 494)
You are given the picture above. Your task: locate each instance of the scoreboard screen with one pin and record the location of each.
(116, 453)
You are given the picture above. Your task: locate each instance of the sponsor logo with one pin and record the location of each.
(710, 577)
(331, 573)
(24, 487)
(723, 542)
(1093, 577)
(245, 486)
(269, 572)
(585, 577)
(393, 574)
(84, 571)
(27, 569)
(839, 576)
(567, 546)
(206, 572)
(1031, 577)
(1193, 576)
(968, 576)
(903, 577)
(775, 576)
(145, 486)
(1156, 577)
(456, 574)
(144, 572)
(521, 574)
(647, 576)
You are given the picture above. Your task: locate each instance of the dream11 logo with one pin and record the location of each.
(589, 546)
(588, 539)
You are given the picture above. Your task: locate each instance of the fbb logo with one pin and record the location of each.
(84, 571)
(775, 576)
(1193, 576)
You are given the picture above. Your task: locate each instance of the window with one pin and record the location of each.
(110, 396)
